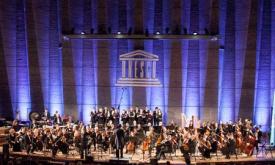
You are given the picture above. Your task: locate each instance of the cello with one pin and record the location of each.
(249, 145)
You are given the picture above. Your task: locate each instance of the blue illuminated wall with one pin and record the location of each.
(213, 80)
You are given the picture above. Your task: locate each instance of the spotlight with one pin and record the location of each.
(82, 32)
(195, 33)
(157, 33)
(214, 38)
(66, 38)
(118, 32)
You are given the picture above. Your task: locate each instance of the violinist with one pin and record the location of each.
(48, 139)
(105, 140)
(13, 140)
(37, 139)
(56, 142)
(186, 146)
(64, 145)
(204, 146)
(15, 125)
(164, 147)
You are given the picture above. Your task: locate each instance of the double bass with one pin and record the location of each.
(130, 147)
(248, 145)
(145, 144)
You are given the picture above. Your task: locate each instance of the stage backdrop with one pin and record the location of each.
(213, 80)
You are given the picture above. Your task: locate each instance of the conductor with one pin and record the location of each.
(119, 141)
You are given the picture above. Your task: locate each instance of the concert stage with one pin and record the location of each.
(138, 158)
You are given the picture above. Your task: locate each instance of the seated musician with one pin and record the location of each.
(164, 146)
(105, 141)
(15, 125)
(132, 141)
(63, 145)
(47, 139)
(204, 146)
(37, 139)
(30, 146)
(13, 140)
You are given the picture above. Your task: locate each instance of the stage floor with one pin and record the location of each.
(138, 158)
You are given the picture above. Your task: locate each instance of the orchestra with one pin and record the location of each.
(110, 130)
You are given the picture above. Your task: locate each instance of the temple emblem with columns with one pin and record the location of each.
(138, 69)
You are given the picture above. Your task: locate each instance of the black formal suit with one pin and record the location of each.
(45, 116)
(30, 147)
(119, 142)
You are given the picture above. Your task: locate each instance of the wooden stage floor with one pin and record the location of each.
(137, 158)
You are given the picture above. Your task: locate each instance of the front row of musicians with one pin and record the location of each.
(229, 138)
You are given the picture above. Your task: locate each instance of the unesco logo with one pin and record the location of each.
(138, 69)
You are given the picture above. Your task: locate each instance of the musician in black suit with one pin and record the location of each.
(258, 135)
(45, 115)
(30, 146)
(93, 118)
(84, 142)
(155, 117)
(119, 141)
(57, 118)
